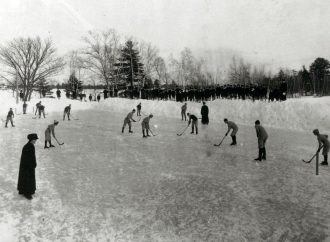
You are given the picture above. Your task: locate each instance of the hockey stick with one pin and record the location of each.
(221, 141)
(183, 131)
(59, 142)
(152, 133)
(312, 157)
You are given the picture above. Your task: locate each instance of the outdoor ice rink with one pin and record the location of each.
(102, 185)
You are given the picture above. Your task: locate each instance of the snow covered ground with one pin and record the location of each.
(102, 185)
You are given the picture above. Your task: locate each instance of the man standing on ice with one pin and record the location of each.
(41, 110)
(26, 184)
(127, 120)
(37, 107)
(262, 138)
(10, 117)
(323, 141)
(183, 111)
(233, 126)
(145, 125)
(48, 134)
(138, 107)
(67, 110)
(194, 122)
(205, 114)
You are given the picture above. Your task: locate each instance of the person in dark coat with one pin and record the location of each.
(262, 138)
(205, 114)
(26, 185)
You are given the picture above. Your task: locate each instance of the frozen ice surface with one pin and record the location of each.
(102, 185)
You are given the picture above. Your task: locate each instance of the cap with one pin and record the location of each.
(55, 122)
(257, 122)
(316, 131)
(32, 136)
(151, 115)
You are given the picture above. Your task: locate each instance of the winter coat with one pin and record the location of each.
(26, 176)
(205, 114)
(323, 140)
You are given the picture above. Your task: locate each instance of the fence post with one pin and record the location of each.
(317, 163)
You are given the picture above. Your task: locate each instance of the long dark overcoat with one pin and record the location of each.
(205, 114)
(26, 176)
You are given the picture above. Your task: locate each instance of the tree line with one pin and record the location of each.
(108, 59)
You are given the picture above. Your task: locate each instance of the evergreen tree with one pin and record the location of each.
(43, 88)
(74, 85)
(130, 66)
(319, 69)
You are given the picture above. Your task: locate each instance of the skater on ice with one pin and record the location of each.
(145, 126)
(323, 142)
(193, 120)
(183, 112)
(37, 107)
(205, 114)
(138, 108)
(48, 134)
(26, 184)
(128, 120)
(262, 138)
(10, 117)
(41, 110)
(67, 110)
(231, 126)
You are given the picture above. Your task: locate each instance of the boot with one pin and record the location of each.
(325, 162)
(192, 130)
(233, 142)
(50, 144)
(144, 136)
(259, 158)
(148, 133)
(122, 129)
(263, 153)
(130, 131)
(46, 145)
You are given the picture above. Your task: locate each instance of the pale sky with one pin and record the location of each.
(287, 33)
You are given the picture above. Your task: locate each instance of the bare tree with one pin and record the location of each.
(29, 60)
(161, 70)
(100, 55)
(239, 72)
(149, 54)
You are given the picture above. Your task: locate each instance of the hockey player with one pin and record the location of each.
(90, 97)
(183, 111)
(145, 125)
(48, 134)
(127, 120)
(233, 126)
(262, 138)
(205, 114)
(98, 97)
(323, 141)
(67, 110)
(138, 108)
(10, 117)
(37, 107)
(194, 122)
(41, 110)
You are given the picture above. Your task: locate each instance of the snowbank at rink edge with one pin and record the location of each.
(301, 114)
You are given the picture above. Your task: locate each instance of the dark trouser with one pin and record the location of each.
(193, 125)
(138, 113)
(183, 115)
(11, 121)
